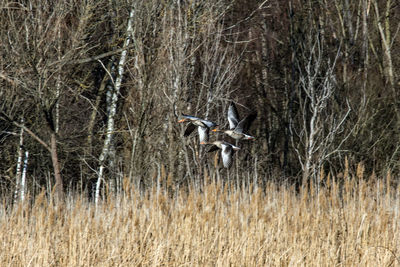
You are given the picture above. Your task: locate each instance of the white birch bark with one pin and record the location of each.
(19, 165)
(23, 177)
(113, 105)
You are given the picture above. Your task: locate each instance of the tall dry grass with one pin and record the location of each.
(351, 222)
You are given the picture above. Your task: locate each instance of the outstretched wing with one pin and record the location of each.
(244, 125)
(233, 116)
(189, 117)
(209, 124)
(189, 129)
(213, 148)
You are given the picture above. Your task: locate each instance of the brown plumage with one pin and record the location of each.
(203, 126)
(237, 129)
(227, 151)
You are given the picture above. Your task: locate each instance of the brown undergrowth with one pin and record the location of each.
(352, 221)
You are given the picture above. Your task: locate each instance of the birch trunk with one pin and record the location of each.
(53, 151)
(23, 177)
(113, 106)
(19, 165)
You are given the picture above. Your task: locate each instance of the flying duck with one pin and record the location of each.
(238, 128)
(203, 126)
(227, 151)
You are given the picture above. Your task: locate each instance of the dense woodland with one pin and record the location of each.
(91, 91)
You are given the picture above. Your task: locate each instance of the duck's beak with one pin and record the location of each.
(202, 143)
(249, 137)
(215, 130)
(182, 120)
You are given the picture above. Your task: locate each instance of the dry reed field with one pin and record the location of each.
(352, 221)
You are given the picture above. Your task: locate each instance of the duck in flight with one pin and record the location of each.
(203, 126)
(227, 151)
(237, 129)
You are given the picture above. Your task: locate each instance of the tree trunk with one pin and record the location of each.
(19, 165)
(113, 105)
(56, 167)
(365, 50)
(23, 177)
(384, 32)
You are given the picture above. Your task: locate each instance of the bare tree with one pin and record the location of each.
(113, 93)
(100, 102)
(319, 123)
(40, 49)
(184, 63)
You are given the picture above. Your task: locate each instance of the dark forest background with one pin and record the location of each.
(91, 91)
